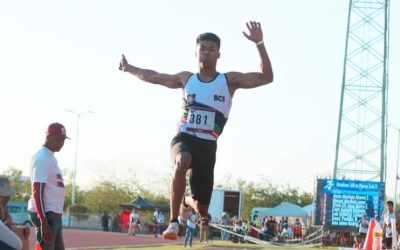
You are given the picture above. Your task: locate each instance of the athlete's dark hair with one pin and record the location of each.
(389, 202)
(211, 37)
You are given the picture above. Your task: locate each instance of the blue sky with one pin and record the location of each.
(64, 55)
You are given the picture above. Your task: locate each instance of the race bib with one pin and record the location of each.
(201, 120)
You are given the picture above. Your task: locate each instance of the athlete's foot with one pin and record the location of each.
(171, 233)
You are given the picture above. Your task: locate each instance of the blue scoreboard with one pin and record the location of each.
(341, 203)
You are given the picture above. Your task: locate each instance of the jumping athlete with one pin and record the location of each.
(207, 102)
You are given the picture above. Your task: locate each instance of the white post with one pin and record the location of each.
(76, 160)
(73, 195)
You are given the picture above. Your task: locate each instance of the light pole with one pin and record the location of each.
(78, 116)
(397, 164)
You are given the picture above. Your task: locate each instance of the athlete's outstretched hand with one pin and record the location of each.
(123, 63)
(255, 31)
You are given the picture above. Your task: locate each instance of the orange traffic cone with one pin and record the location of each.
(370, 235)
(377, 239)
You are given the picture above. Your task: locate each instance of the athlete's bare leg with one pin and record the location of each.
(178, 182)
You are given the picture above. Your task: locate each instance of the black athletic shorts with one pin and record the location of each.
(203, 153)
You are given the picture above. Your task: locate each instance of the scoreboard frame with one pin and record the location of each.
(341, 203)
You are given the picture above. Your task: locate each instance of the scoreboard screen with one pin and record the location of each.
(341, 203)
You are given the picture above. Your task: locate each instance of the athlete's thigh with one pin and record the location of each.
(181, 150)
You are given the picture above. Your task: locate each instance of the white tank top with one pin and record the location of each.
(206, 107)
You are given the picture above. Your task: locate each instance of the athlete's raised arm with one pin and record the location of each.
(253, 79)
(171, 81)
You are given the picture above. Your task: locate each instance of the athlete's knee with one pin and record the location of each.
(182, 162)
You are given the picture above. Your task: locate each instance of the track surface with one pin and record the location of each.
(75, 239)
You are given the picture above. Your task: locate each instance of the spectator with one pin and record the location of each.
(224, 224)
(158, 219)
(281, 223)
(297, 229)
(204, 230)
(8, 239)
(116, 223)
(6, 191)
(271, 225)
(46, 204)
(238, 228)
(387, 226)
(257, 221)
(190, 228)
(255, 216)
(378, 220)
(263, 231)
(286, 232)
(358, 244)
(105, 220)
(363, 228)
(134, 222)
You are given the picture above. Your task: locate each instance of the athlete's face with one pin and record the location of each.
(207, 53)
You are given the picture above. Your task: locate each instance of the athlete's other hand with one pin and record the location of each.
(255, 31)
(123, 63)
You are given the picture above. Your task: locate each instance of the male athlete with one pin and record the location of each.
(207, 102)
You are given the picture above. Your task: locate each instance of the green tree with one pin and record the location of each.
(107, 196)
(156, 199)
(265, 194)
(80, 212)
(79, 195)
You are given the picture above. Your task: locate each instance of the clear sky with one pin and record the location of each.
(58, 55)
